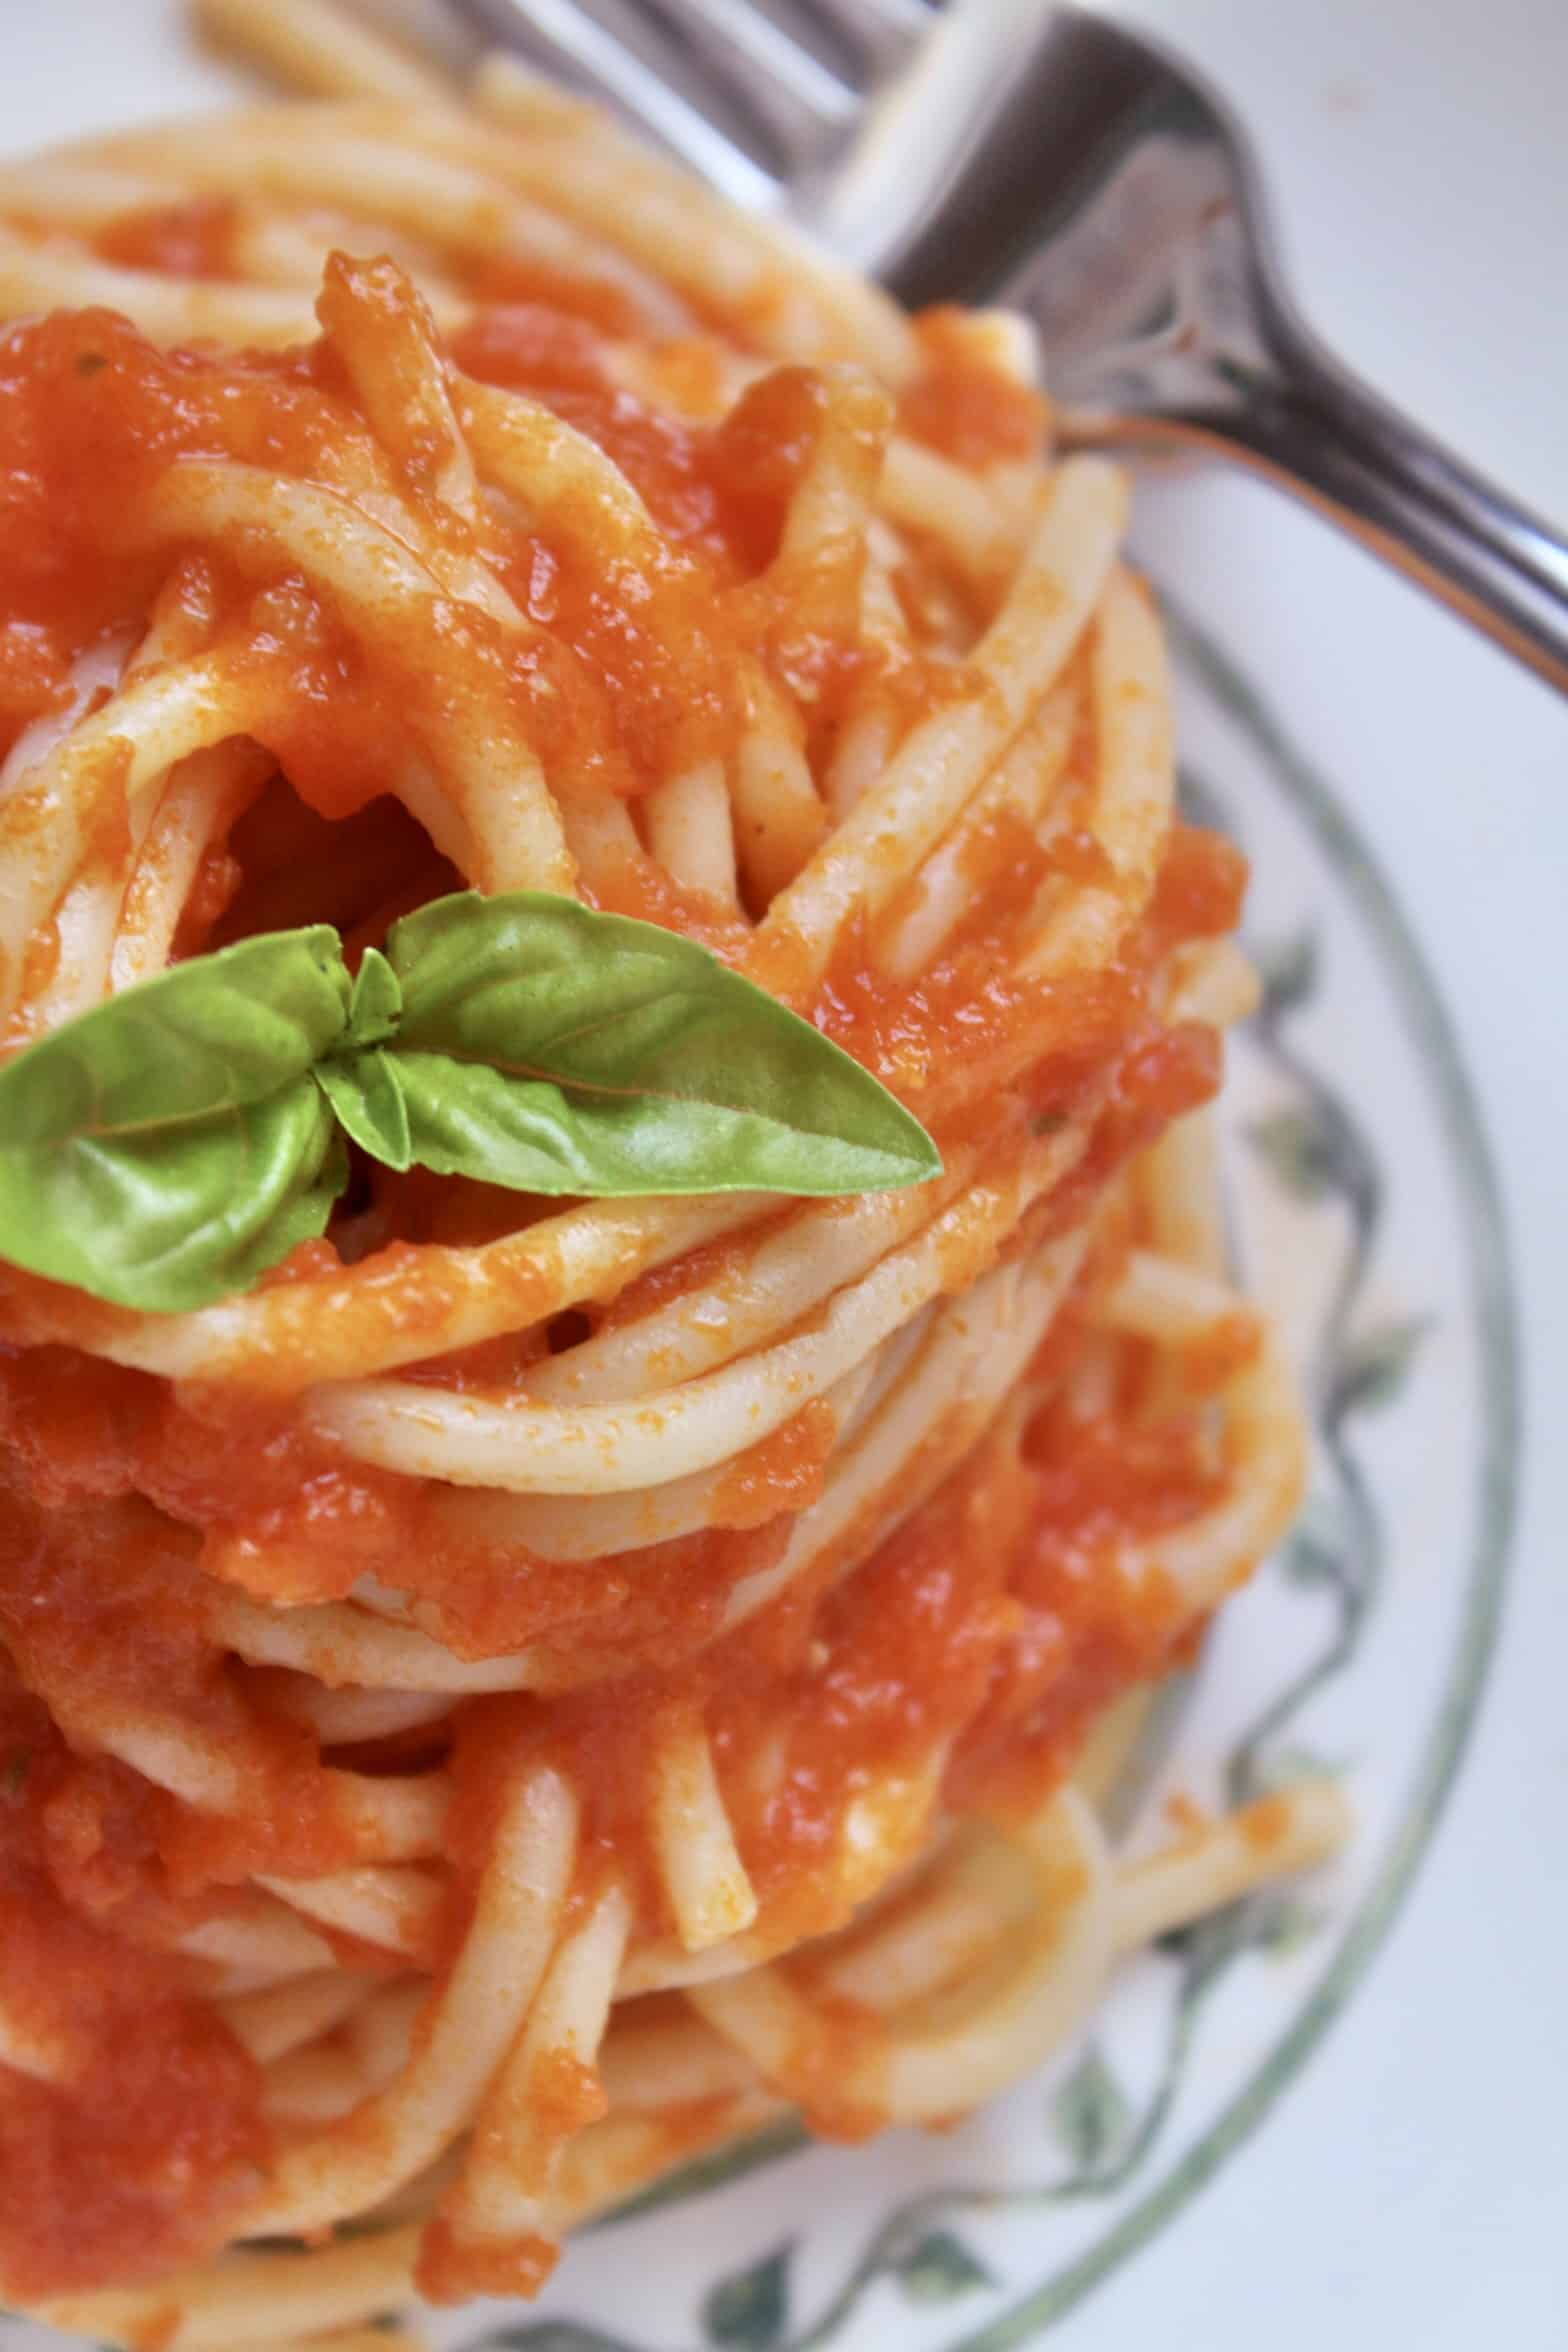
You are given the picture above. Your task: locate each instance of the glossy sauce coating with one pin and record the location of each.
(992, 1619)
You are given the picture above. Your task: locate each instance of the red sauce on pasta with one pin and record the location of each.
(149, 2135)
(987, 1630)
(193, 239)
(962, 403)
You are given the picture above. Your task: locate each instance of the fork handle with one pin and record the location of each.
(1309, 426)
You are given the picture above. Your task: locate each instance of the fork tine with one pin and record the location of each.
(882, 34)
(761, 46)
(802, 111)
(567, 38)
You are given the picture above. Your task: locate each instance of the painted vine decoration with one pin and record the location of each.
(1314, 1147)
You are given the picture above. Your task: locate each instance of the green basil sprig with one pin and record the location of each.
(164, 1149)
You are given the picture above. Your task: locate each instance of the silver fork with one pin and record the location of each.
(1020, 152)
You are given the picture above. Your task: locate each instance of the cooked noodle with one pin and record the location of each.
(533, 1691)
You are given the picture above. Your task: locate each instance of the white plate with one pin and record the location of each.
(1367, 1215)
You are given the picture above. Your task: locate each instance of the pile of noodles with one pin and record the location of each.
(537, 1689)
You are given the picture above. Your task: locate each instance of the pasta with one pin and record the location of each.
(533, 1690)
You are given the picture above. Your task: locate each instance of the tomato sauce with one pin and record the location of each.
(147, 2133)
(962, 403)
(193, 239)
(992, 1625)
(145, 2163)
(783, 1473)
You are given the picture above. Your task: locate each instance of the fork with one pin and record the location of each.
(1019, 152)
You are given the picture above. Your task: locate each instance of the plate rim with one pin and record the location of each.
(1491, 1313)
(1494, 1317)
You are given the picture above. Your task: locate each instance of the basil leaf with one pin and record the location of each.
(164, 1149)
(210, 1035)
(176, 1215)
(554, 1049)
(366, 1092)
(465, 1119)
(377, 1001)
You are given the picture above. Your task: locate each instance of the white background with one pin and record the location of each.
(1412, 2190)
(1417, 155)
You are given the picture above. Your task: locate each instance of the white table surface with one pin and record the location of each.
(1418, 157)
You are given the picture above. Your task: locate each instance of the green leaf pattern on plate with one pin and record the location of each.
(1300, 1146)
(939, 2267)
(1091, 2111)
(1316, 1149)
(1376, 1363)
(749, 2310)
